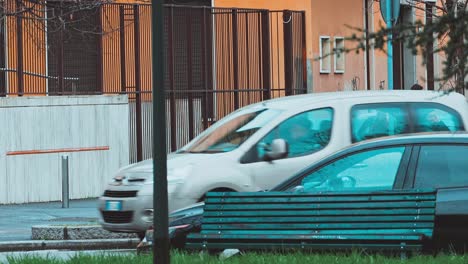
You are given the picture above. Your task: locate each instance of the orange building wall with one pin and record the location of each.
(111, 51)
(322, 18)
(330, 18)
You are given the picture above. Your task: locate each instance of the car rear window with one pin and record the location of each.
(431, 117)
(442, 166)
(388, 119)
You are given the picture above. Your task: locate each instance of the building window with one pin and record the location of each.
(339, 55)
(325, 50)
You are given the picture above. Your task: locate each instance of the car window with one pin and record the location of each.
(434, 117)
(442, 166)
(373, 169)
(372, 121)
(305, 133)
(233, 132)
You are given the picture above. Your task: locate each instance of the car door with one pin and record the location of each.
(369, 170)
(308, 134)
(445, 168)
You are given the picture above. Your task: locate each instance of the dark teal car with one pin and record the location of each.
(423, 161)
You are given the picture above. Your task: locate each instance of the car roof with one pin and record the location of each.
(295, 101)
(416, 138)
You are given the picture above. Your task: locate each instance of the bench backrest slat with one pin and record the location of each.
(356, 213)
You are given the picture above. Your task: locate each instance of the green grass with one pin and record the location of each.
(261, 258)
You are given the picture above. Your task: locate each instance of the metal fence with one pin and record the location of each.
(216, 60)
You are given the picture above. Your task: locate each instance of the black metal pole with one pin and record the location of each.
(123, 71)
(430, 49)
(138, 111)
(19, 52)
(235, 57)
(288, 52)
(366, 10)
(265, 56)
(160, 221)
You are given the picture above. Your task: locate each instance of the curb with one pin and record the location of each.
(75, 232)
(85, 244)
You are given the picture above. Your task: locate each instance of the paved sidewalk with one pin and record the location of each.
(16, 220)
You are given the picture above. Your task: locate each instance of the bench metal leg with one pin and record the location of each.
(403, 254)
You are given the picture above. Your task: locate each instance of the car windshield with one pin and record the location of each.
(232, 133)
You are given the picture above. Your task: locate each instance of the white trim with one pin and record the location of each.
(321, 55)
(335, 56)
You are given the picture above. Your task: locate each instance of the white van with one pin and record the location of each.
(261, 145)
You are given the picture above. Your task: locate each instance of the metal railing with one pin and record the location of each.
(216, 61)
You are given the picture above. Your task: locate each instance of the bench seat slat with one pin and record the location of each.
(324, 194)
(317, 219)
(276, 245)
(319, 226)
(325, 199)
(425, 231)
(332, 212)
(356, 237)
(318, 206)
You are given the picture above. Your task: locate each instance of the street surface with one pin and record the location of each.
(16, 220)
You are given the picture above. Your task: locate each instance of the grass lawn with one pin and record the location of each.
(267, 258)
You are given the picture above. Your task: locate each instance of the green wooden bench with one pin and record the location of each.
(396, 220)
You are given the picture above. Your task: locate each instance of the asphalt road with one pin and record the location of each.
(16, 220)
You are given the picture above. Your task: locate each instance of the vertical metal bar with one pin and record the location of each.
(123, 72)
(429, 49)
(189, 72)
(60, 62)
(19, 48)
(397, 62)
(139, 133)
(304, 52)
(172, 106)
(160, 221)
(235, 54)
(213, 69)
(288, 52)
(368, 70)
(100, 73)
(65, 182)
(247, 57)
(3, 88)
(266, 49)
(204, 71)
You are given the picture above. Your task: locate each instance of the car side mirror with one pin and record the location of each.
(278, 149)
